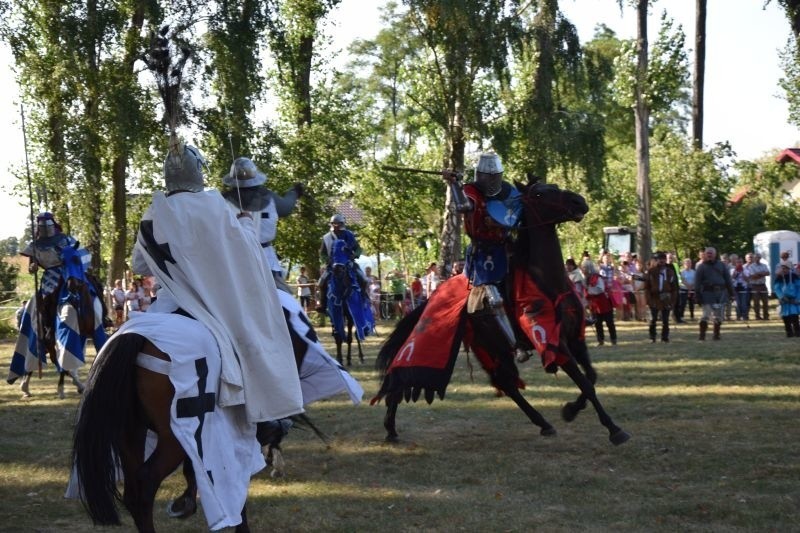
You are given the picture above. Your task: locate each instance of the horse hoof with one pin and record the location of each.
(181, 508)
(568, 412)
(620, 437)
(392, 439)
(278, 464)
(61, 394)
(548, 432)
(26, 395)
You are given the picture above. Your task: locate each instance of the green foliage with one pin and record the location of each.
(9, 247)
(667, 79)
(8, 278)
(441, 80)
(550, 121)
(765, 205)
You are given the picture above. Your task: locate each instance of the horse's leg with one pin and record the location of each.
(509, 387)
(60, 387)
(132, 451)
(338, 348)
(615, 434)
(360, 351)
(185, 505)
(349, 341)
(25, 384)
(392, 401)
(581, 353)
(270, 435)
(506, 376)
(155, 393)
(76, 380)
(243, 527)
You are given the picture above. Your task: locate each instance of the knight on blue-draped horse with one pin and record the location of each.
(343, 286)
(65, 312)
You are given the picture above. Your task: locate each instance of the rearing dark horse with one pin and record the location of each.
(546, 306)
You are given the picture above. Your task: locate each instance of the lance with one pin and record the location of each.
(416, 170)
(37, 299)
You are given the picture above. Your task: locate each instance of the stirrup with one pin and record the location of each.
(524, 355)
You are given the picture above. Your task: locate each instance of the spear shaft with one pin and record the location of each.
(37, 299)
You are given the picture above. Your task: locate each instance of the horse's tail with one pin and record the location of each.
(397, 337)
(108, 403)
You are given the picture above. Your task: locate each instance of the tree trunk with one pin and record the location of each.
(119, 206)
(699, 74)
(450, 249)
(119, 170)
(92, 163)
(642, 118)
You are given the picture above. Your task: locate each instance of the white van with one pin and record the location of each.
(770, 245)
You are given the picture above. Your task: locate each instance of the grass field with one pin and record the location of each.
(715, 429)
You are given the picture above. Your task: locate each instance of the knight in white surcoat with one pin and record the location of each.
(248, 193)
(228, 288)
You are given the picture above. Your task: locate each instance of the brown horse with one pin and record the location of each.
(121, 402)
(537, 257)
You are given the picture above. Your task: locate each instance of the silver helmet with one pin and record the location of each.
(46, 225)
(337, 219)
(489, 174)
(183, 169)
(244, 173)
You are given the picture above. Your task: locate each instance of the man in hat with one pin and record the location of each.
(248, 193)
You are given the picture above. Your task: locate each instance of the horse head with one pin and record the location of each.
(547, 203)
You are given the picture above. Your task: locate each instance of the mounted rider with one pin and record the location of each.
(491, 209)
(350, 251)
(66, 308)
(243, 313)
(248, 193)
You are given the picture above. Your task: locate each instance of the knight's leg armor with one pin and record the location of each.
(493, 306)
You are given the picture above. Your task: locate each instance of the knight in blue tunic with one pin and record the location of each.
(491, 208)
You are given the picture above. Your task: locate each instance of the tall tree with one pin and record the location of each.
(790, 60)
(642, 121)
(699, 73)
(234, 69)
(464, 40)
(316, 130)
